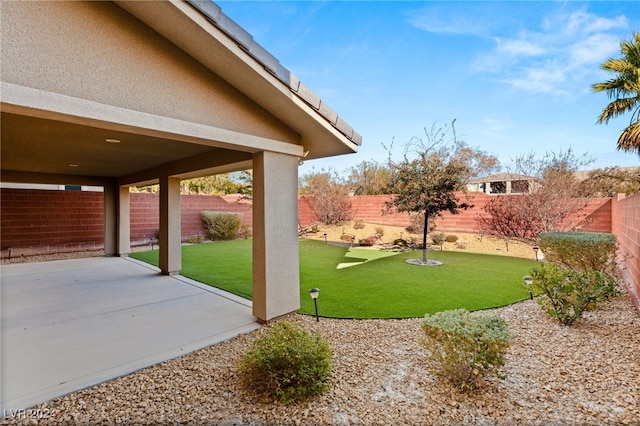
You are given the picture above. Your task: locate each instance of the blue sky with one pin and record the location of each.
(515, 75)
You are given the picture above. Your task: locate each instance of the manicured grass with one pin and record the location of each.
(381, 287)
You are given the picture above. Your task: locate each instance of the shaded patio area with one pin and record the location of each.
(71, 324)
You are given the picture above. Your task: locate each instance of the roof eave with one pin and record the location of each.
(204, 32)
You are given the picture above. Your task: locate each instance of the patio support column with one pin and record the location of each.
(116, 220)
(124, 221)
(170, 258)
(110, 219)
(276, 275)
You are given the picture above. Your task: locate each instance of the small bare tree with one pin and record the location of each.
(554, 196)
(327, 197)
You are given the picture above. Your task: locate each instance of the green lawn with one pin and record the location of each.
(362, 283)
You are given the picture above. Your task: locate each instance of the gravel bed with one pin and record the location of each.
(587, 374)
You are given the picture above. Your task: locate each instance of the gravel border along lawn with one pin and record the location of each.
(588, 374)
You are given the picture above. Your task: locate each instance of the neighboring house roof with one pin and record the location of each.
(503, 177)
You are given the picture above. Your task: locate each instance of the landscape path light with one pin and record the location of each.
(536, 248)
(528, 281)
(314, 292)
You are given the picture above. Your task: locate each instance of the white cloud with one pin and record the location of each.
(559, 57)
(519, 48)
(453, 18)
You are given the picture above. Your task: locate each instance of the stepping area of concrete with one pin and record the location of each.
(71, 324)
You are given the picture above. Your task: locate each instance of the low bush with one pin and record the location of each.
(359, 224)
(221, 225)
(287, 363)
(437, 238)
(461, 244)
(379, 230)
(347, 237)
(465, 347)
(245, 232)
(566, 293)
(451, 238)
(195, 239)
(400, 242)
(581, 251)
(369, 241)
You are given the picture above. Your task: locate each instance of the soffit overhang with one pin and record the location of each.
(200, 29)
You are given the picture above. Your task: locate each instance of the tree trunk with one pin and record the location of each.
(424, 237)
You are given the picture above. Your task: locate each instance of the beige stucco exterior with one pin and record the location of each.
(118, 94)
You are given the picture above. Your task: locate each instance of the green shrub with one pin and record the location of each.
(437, 238)
(566, 293)
(451, 238)
(287, 363)
(221, 225)
(581, 251)
(359, 224)
(465, 347)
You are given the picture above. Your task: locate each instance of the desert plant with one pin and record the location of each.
(566, 293)
(358, 224)
(327, 197)
(438, 238)
(195, 239)
(379, 230)
(347, 237)
(465, 347)
(245, 232)
(400, 242)
(287, 363)
(462, 245)
(221, 225)
(369, 241)
(582, 251)
(451, 238)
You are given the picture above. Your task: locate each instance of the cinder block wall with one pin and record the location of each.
(626, 226)
(145, 214)
(596, 217)
(48, 221)
(42, 221)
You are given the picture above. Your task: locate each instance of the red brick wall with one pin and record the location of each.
(626, 226)
(595, 217)
(41, 221)
(47, 221)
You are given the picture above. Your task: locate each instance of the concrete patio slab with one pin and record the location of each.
(71, 324)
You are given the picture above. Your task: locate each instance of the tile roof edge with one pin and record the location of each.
(216, 16)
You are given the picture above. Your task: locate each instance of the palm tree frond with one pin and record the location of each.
(629, 140)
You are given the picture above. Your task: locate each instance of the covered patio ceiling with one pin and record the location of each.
(37, 146)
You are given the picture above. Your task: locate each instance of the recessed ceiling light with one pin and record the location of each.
(113, 140)
(74, 165)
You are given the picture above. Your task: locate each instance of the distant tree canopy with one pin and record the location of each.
(624, 87)
(610, 181)
(222, 184)
(368, 178)
(227, 183)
